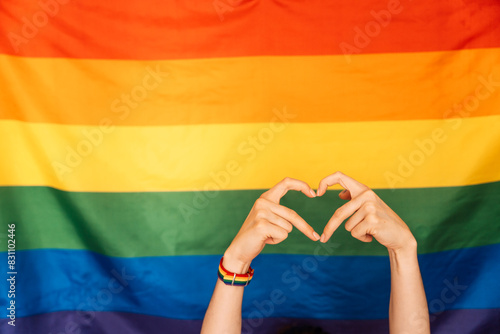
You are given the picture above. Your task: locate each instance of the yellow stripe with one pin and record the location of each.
(186, 158)
(242, 90)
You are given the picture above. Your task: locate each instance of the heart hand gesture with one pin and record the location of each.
(269, 223)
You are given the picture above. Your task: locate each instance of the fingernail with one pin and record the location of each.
(322, 239)
(343, 191)
(313, 194)
(316, 236)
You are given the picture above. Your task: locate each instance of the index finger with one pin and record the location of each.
(296, 220)
(278, 191)
(347, 182)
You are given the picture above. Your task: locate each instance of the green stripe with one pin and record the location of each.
(151, 224)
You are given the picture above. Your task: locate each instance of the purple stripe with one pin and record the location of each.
(482, 321)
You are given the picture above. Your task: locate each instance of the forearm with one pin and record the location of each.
(408, 312)
(224, 311)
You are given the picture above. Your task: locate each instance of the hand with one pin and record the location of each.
(371, 217)
(267, 223)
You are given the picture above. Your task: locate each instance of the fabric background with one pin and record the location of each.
(136, 136)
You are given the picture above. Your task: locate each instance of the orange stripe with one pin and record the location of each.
(248, 90)
(155, 29)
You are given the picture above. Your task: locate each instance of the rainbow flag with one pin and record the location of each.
(136, 136)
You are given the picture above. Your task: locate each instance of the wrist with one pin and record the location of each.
(232, 263)
(405, 253)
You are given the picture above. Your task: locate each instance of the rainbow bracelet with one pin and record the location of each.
(234, 279)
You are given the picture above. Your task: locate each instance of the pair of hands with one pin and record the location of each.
(269, 222)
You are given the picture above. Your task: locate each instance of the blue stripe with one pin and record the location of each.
(305, 286)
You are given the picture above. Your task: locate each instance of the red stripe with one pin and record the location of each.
(157, 29)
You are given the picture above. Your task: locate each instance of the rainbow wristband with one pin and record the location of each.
(234, 279)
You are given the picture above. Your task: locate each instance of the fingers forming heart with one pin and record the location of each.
(352, 189)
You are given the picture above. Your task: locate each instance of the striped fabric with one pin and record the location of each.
(136, 136)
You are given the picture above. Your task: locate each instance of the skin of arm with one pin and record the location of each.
(267, 223)
(408, 311)
(372, 218)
